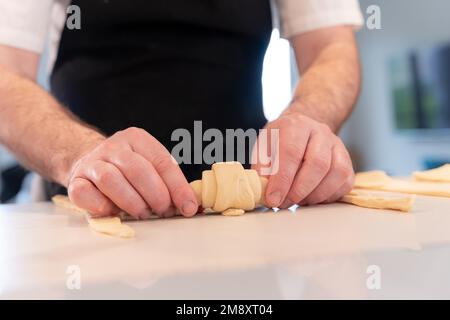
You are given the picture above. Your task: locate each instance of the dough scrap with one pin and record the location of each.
(371, 179)
(111, 226)
(441, 174)
(229, 186)
(378, 200)
(378, 180)
(64, 202)
(108, 225)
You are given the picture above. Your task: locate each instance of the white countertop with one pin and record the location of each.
(311, 252)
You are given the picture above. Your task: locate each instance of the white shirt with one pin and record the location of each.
(35, 24)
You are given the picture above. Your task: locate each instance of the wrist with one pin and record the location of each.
(65, 161)
(300, 106)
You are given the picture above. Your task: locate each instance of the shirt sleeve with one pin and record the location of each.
(299, 16)
(24, 24)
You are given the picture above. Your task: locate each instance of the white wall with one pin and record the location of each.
(277, 76)
(370, 133)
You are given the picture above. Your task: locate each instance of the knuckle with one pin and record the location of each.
(292, 150)
(76, 190)
(342, 170)
(103, 176)
(134, 131)
(130, 133)
(321, 163)
(162, 163)
(104, 207)
(109, 146)
(124, 157)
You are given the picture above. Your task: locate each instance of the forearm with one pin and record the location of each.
(42, 134)
(330, 86)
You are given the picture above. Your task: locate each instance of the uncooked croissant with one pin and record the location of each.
(229, 186)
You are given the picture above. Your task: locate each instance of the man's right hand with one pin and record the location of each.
(133, 172)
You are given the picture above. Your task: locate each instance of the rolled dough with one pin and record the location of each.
(109, 225)
(441, 174)
(377, 200)
(229, 186)
(233, 212)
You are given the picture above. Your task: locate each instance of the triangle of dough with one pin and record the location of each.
(441, 174)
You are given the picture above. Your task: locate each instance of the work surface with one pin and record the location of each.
(328, 251)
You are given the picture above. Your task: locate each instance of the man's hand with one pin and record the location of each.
(314, 165)
(133, 172)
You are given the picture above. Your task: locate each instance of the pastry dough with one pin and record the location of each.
(229, 186)
(441, 174)
(108, 225)
(378, 200)
(64, 202)
(378, 180)
(233, 212)
(371, 179)
(230, 189)
(111, 226)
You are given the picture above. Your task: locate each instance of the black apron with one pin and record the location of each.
(161, 64)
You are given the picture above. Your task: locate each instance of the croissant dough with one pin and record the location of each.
(378, 180)
(109, 225)
(379, 200)
(371, 179)
(441, 174)
(65, 203)
(229, 186)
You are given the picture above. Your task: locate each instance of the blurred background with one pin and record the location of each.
(402, 119)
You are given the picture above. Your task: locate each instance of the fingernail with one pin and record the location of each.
(275, 198)
(189, 207)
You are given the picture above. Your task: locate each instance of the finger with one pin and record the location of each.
(85, 195)
(170, 212)
(110, 181)
(291, 151)
(143, 177)
(314, 168)
(181, 193)
(286, 204)
(340, 170)
(343, 190)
